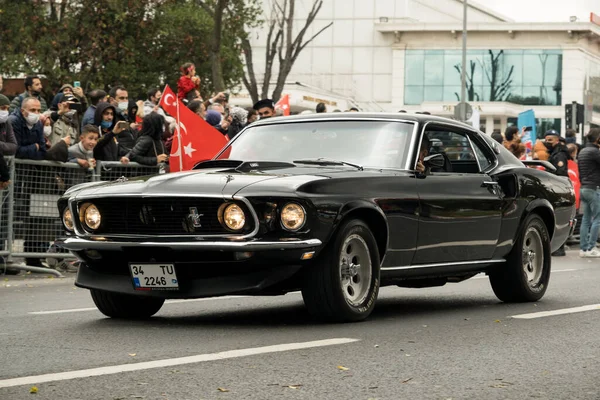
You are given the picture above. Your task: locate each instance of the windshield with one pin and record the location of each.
(380, 144)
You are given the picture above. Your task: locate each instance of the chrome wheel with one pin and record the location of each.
(533, 257)
(355, 269)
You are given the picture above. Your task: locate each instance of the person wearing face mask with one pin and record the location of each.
(119, 98)
(8, 142)
(33, 88)
(67, 125)
(559, 156)
(108, 148)
(28, 130)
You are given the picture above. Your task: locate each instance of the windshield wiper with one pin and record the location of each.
(326, 161)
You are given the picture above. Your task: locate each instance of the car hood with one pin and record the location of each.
(214, 182)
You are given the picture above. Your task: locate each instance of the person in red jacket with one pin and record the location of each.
(188, 81)
(574, 171)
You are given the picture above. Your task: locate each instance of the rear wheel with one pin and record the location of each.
(526, 274)
(116, 305)
(343, 283)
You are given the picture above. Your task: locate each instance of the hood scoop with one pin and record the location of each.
(244, 166)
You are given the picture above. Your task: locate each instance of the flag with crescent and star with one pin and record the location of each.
(284, 104)
(195, 140)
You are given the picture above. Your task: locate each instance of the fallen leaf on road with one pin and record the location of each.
(407, 380)
(424, 326)
(497, 320)
(132, 354)
(342, 368)
(376, 346)
(33, 389)
(293, 386)
(222, 389)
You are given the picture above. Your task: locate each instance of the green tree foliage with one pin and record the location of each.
(102, 43)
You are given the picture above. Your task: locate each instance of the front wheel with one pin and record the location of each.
(342, 285)
(116, 305)
(526, 274)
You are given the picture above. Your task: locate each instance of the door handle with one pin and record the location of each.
(489, 184)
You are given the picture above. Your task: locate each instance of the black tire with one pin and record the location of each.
(116, 305)
(331, 297)
(519, 280)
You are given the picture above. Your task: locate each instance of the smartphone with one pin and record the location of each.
(76, 106)
(227, 97)
(528, 128)
(76, 84)
(122, 124)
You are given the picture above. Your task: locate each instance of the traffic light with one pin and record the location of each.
(580, 114)
(568, 116)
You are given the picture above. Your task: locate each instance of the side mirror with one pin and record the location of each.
(434, 161)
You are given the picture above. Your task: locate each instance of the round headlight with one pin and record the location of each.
(234, 217)
(90, 216)
(68, 219)
(293, 216)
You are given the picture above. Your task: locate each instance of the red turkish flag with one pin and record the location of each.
(284, 104)
(194, 139)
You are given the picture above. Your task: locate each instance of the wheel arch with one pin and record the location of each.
(371, 215)
(544, 209)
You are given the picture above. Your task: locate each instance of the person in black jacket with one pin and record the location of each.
(107, 148)
(559, 155)
(149, 148)
(588, 161)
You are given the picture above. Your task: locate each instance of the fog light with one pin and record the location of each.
(93, 254)
(238, 255)
(233, 217)
(293, 217)
(90, 216)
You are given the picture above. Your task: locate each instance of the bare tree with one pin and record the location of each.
(282, 44)
(499, 90)
(471, 94)
(216, 12)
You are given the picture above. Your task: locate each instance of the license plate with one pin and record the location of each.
(154, 276)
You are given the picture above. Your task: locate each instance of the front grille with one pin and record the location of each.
(163, 216)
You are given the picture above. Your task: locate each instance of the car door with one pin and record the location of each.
(460, 207)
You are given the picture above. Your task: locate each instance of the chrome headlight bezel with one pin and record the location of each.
(286, 209)
(229, 213)
(86, 216)
(67, 220)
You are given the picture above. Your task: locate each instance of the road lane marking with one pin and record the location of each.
(541, 314)
(72, 310)
(553, 271)
(170, 362)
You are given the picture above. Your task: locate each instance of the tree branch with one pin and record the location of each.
(206, 8)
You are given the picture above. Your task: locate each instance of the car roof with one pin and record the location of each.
(355, 116)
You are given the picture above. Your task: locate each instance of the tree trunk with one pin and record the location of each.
(215, 48)
(250, 80)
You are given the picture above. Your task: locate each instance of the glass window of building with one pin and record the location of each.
(529, 77)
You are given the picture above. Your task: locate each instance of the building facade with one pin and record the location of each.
(391, 55)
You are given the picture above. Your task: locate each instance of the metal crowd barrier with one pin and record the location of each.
(29, 218)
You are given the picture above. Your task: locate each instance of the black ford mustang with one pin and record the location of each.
(334, 205)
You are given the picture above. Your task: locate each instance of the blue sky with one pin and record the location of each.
(543, 10)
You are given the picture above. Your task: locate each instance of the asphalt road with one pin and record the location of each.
(453, 342)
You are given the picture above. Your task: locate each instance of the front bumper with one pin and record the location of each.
(78, 244)
(204, 268)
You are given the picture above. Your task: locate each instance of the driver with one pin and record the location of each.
(423, 152)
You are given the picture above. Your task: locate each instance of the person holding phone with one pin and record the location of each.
(108, 148)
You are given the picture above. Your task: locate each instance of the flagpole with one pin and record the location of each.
(179, 137)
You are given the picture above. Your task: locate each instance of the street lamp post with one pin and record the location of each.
(463, 75)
